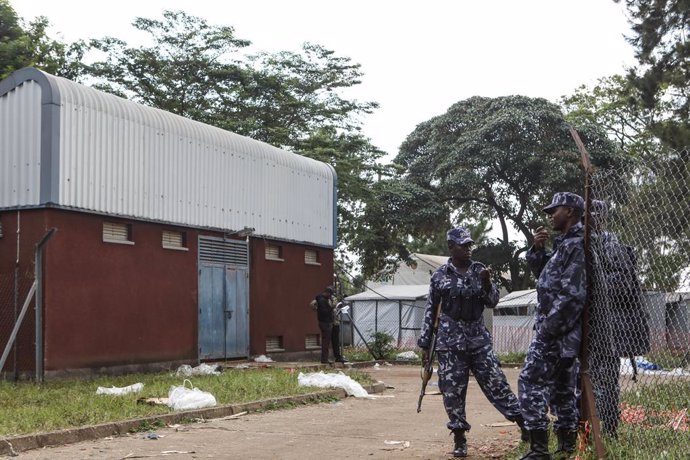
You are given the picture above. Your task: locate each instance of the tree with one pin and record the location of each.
(500, 159)
(660, 39)
(188, 69)
(287, 96)
(612, 105)
(29, 46)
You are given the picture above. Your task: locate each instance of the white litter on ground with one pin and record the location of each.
(339, 380)
(648, 368)
(183, 398)
(186, 370)
(263, 359)
(395, 445)
(407, 355)
(119, 391)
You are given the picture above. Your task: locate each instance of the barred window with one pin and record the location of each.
(274, 252)
(174, 240)
(274, 343)
(117, 233)
(311, 257)
(312, 341)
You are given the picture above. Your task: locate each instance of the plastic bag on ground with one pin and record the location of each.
(186, 370)
(119, 391)
(263, 359)
(407, 355)
(339, 380)
(183, 398)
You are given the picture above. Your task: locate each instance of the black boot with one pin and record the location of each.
(539, 446)
(460, 449)
(524, 434)
(567, 442)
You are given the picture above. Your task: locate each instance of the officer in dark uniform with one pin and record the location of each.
(328, 324)
(619, 325)
(463, 343)
(550, 373)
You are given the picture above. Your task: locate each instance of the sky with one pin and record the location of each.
(418, 57)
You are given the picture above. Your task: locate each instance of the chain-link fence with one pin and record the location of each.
(639, 324)
(397, 322)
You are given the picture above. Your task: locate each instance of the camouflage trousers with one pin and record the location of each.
(547, 380)
(604, 370)
(454, 370)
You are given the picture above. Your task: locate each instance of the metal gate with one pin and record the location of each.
(223, 298)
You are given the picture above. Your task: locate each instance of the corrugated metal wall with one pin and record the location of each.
(20, 146)
(121, 158)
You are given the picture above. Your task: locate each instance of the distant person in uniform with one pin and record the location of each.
(619, 324)
(549, 376)
(328, 324)
(464, 288)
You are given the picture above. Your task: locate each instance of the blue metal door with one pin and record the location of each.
(211, 312)
(236, 337)
(223, 299)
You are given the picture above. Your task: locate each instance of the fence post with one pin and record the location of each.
(38, 270)
(588, 407)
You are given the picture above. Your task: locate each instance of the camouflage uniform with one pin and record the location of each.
(550, 372)
(618, 324)
(463, 342)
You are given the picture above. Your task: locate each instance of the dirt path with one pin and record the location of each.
(348, 429)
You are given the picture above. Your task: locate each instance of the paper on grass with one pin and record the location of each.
(119, 391)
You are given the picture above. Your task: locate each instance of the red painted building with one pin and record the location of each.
(175, 241)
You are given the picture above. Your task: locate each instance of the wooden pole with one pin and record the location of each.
(587, 407)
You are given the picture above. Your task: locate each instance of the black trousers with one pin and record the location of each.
(330, 334)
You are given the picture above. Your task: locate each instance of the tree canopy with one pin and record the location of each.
(489, 158)
(660, 37)
(25, 45)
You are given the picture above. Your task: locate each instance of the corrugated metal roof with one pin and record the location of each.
(113, 156)
(393, 292)
(518, 299)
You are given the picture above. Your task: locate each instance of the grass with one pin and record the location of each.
(361, 353)
(668, 359)
(59, 404)
(513, 357)
(646, 433)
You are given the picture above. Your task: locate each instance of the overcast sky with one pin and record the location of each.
(419, 57)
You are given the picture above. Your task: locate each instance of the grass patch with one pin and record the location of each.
(649, 414)
(30, 407)
(361, 353)
(668, 359)
(513, 357)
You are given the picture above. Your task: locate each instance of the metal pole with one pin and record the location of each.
(38, 270)
(17, 325)
(352, 321)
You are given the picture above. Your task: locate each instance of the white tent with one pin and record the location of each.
(513, 322)
(396, 310)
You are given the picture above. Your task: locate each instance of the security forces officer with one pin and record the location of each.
(464, 287)
(329, 324)
(550, 372)
(619, 325)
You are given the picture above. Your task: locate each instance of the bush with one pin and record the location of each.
(513, 357)
(382, 345)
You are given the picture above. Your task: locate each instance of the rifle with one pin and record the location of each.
(428, 366)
